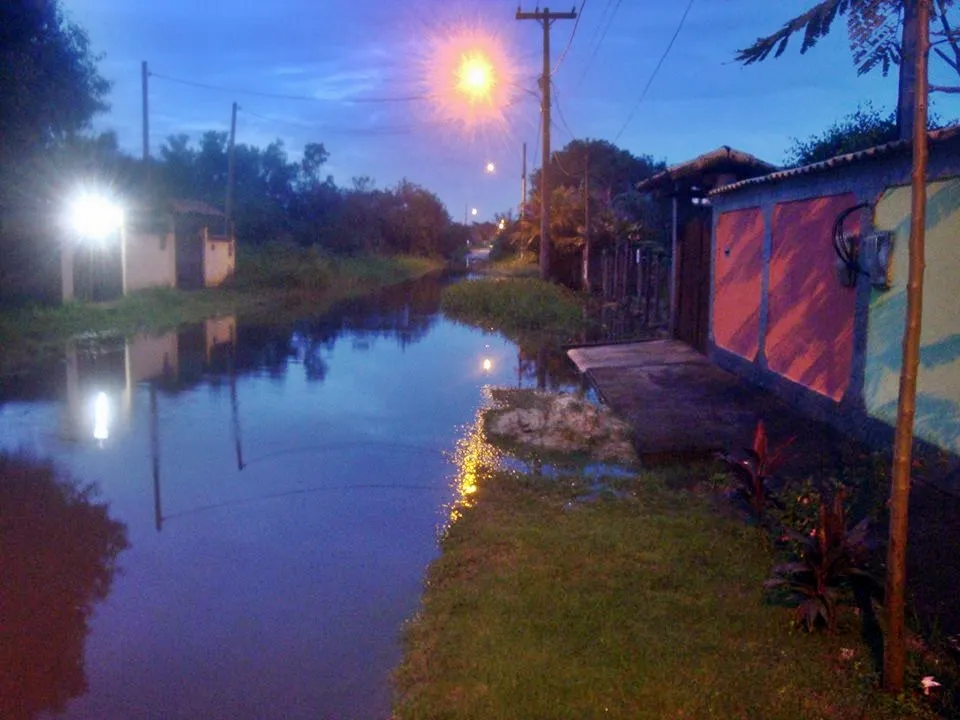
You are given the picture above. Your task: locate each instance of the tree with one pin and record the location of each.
(50, 87)
(864, 128)
(881, 33)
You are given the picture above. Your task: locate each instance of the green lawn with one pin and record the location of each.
(647, 604)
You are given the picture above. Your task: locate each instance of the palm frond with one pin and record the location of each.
(815, 24)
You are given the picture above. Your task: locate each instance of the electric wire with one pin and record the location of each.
(284, 96)
(656, 70)
(573, 32)
(394, 130)
(603, 35)
(563, 119)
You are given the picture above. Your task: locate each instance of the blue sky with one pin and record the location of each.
(349, 55)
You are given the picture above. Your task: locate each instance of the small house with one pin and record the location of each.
(808, 270)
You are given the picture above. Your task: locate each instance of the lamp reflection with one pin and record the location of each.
(473, 457)
(101, 418)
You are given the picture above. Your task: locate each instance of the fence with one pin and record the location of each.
(638, 278)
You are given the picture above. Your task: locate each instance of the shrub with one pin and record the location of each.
(754, 468)
(831, 565)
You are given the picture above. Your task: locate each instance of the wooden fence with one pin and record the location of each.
(637, 277)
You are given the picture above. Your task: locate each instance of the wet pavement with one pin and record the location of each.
(264, 502)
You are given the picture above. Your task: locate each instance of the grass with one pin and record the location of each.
(518, 307)
(273, 281)
(513, 266)
(645, 607)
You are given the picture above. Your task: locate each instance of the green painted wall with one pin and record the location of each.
(938, 389)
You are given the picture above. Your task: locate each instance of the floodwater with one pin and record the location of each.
(273, 495)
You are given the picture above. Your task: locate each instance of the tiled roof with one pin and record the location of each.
(935, 136)
(193, 207)
(723, 159)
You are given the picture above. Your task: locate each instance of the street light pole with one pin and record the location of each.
(545, 18)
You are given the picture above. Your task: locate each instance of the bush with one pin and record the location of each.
(515, 306)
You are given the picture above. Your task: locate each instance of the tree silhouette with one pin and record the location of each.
(58, 559)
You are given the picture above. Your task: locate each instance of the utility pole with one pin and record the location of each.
(894, 649)
(523, 184)
(144, 81)
(228, 206)
(586, 222)
(545, 18)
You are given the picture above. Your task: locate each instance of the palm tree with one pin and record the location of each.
(882, 33)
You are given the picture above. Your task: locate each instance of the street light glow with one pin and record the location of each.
(502, 224)
(473, 211)
(476, 78)
(94, 217)
(469, 75)
(490, 167)
(487, 364)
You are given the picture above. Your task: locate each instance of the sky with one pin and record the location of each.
(361, 76)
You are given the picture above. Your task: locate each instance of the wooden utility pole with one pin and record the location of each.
(586, 223)
(545, 18)
(894, 648)
(228, 206)
(907, 87)
(144, 81)
(523, 184)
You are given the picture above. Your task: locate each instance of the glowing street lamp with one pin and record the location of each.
(474, 211)
(490, 168)
(502, 224)
(94, 217)
(476, 78)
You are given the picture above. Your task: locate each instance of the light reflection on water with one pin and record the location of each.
(282, 487)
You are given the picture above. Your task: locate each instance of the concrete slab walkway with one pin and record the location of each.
(678, 402)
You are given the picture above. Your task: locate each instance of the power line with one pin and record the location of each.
(283, 96)
(563, 119)
(395, 130)
(573, 32)
(663, 57)
(603, 35)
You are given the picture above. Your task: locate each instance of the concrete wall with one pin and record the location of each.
(150, 261)
(737, 271)
(835, 351)
(219, 260)
(938, 383)
(809, 334)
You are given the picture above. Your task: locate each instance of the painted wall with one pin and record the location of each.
(737, 271)
(809, 337)
(219, 261)
(150, 261)
(938, 383)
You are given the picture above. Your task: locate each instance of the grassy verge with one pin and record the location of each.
(271, 281)
(519, 308)
(514, 266)
(644, 605)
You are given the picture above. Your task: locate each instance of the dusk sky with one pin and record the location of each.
(358, 63)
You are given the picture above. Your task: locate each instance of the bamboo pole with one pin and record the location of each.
(894, 647)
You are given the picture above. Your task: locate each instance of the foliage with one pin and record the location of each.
(616, 210)
(754, 469)
(60, 549)
(515, 306)
(872, 27)
(50, 87)
(832, 563)
(864, 128)
(279, 200)
(570, 597)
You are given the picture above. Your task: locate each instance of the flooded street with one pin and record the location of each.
(274, 496)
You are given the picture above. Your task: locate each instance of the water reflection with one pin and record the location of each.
(59, 551)
(298, 470)
(473, 456)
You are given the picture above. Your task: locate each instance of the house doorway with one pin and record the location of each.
(693, 276)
